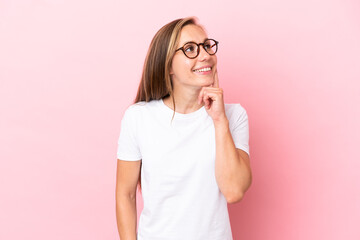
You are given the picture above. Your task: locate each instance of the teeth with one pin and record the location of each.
(203, 69)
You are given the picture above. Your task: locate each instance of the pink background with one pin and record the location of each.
(69, 69)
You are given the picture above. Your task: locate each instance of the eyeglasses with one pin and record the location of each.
(192, 49)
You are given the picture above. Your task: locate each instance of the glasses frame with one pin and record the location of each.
(198, 48)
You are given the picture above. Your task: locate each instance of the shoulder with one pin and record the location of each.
(234, 110)
(137, 109)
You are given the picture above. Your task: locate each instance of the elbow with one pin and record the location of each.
(235, 198)
(237, 195)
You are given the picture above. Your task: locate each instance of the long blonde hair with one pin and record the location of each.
(156, 82)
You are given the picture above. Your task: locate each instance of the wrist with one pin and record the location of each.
(222, 122)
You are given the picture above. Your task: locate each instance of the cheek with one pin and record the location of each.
(184, 66)
(188, 64)
(215, 59)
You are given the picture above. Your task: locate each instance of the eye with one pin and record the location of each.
(207, 45)
(190, 48)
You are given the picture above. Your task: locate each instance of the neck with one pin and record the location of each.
(184, 103)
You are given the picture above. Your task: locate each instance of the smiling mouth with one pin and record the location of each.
(206, 69)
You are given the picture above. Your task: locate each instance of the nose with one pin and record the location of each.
(203, 55)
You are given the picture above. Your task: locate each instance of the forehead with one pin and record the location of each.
(192, 33)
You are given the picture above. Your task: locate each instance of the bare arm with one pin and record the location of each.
(233, 172)
(126, 182)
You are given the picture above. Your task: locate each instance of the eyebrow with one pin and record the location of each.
(193, 42)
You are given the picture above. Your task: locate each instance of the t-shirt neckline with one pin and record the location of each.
(182, 115)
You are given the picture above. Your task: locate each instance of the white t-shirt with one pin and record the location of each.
(181, 197)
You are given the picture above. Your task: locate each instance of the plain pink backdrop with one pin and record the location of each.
(69, 69)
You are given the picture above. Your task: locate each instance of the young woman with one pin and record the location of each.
(188, 150)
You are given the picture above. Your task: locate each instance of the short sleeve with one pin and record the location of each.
(128, 147)
(239, 126)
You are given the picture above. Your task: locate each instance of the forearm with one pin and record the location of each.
(126, 217)
(232, 174)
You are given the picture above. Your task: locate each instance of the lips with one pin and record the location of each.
(203, 69)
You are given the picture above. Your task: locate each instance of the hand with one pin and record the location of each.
(213, 100)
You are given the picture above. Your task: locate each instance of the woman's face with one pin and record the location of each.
(183, 68)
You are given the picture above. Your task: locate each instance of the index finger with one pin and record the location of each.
(216, 80)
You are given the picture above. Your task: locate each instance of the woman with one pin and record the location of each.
(187, 149)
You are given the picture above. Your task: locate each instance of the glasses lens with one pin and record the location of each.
(190, 50)
(210, 46)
